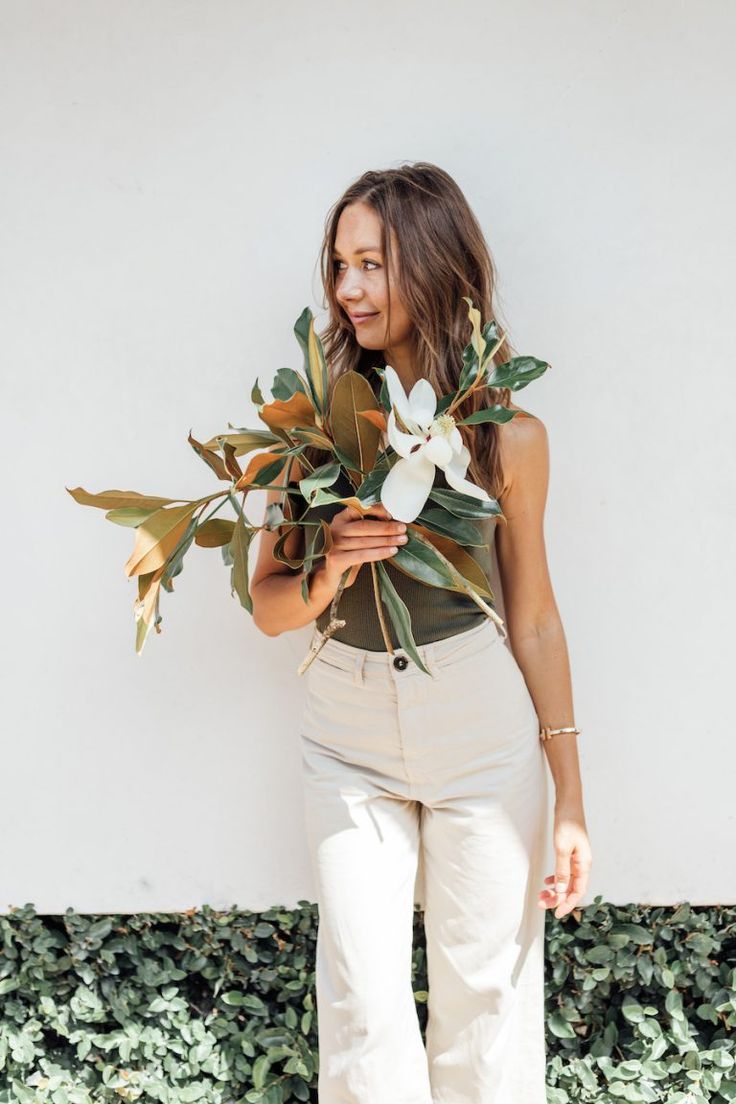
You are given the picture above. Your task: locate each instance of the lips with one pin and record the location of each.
(362, 315)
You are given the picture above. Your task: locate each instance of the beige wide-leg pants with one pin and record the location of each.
(396, 761)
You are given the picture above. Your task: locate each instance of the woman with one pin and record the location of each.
(448, 768)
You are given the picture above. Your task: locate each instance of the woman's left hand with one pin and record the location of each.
(572, 864)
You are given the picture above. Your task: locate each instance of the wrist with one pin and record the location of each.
(324, 582)
(569, 800)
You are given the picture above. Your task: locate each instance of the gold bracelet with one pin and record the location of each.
(546, 733)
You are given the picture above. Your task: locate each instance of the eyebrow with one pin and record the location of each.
(365, 249)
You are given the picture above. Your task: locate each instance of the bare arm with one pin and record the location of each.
(276, 590)
(535, 629)
(538, 643)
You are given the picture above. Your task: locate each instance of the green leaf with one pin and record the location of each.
(286, 383)
(238, 554)
(129, 516)
(175, 563)
(215, 532)
(256, 395)
(420, 559)
(261, 1066)
(354, 436)
(464, 506)
(497, 413)
(253, 1003)
(634, 933)
(211, 458)
(673, 1003)
(517, 372)
(195, 1090)
(599, 954)
(559, 1026)
(585, 1074)
(315, 364)
(399, 615)
(234, 998)
(439, 521)
(632, 1010)
(321, 477)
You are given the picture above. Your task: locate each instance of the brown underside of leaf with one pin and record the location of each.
(296, 411)
(113, 500)
(466, 564)
(157, 537)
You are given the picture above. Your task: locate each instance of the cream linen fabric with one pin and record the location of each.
(394, 762)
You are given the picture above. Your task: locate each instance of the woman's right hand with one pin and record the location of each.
(357, 539)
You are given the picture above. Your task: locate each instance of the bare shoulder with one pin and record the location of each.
(524, 450)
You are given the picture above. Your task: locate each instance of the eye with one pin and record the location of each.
(375, 264)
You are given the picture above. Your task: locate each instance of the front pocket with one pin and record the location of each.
(330, 669)
(479, 645)
(333, 663)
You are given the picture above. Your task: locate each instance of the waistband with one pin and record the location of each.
(435, 655)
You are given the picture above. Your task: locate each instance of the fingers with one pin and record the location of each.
(562, 869)
(564, 892)
(561, 880)
(350, 543)
(551, 898)
(357, 532)
(358, 539)
(369, 526)
(348, 557)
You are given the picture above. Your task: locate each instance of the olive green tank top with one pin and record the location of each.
(435, 612)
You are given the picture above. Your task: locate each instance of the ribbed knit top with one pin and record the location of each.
(435, 612)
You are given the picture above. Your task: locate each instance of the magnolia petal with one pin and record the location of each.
(464, 486)
(422, 403)
(456, 439)
(439, 451)
(399, 401)
(461, 459)
(401, 442)
(455, 476)
(406, 487)
(417, 410)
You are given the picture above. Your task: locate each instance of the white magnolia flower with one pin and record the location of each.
(432, 442)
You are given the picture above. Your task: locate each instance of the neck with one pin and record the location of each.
(401, 359)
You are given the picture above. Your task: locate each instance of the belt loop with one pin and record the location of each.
(499, 623)
(430, 659)
(358, 666)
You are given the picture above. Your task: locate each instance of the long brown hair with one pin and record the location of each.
(442, 257)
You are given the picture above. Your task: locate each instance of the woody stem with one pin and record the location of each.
(379, 610)
(481, 375)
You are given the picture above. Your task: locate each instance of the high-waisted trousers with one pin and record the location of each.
(398, 764)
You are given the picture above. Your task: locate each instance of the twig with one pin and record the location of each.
(379, 609)
(321, 636)
(488, 610)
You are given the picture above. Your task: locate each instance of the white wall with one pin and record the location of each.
(167, 168)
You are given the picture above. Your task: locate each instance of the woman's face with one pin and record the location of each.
(360, 283)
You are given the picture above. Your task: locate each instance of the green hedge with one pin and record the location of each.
(219, 1006)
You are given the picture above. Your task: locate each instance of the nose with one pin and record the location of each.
(350, 289)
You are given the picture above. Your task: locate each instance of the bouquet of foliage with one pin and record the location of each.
(388, 447)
